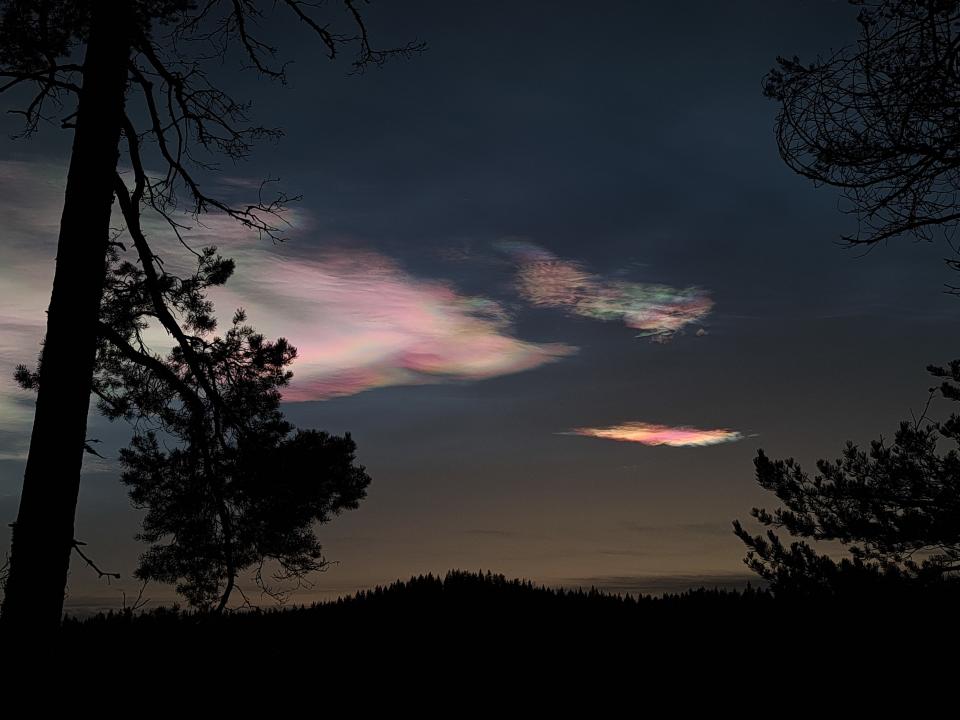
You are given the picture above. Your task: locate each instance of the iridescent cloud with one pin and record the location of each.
(650, 434)
(657, 311)
(357, 318)
(359, 321)
(30, 199)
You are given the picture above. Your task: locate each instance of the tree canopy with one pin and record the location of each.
(895, 508)
(879, 120)
(218, 503)
(226, 482)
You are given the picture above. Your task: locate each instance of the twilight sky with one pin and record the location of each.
(553, 277)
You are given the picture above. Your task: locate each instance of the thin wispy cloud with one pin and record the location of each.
(651, 434)
(657, 311)
(31, 196)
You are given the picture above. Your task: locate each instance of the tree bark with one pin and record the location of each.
(43, 534)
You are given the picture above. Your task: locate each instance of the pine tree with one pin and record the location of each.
(894, 509)
(143, 89)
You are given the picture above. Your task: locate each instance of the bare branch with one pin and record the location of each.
(878, 120)
(100, 573)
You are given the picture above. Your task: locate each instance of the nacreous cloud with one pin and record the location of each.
(648, 434)
(658, 311)
(360, 322)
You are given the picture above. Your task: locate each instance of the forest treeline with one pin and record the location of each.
(478, 608)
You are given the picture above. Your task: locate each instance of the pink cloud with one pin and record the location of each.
(650, 434)
(657, 311)
(359, 321)
(357, 318)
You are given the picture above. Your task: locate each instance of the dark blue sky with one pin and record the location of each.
(633, 141)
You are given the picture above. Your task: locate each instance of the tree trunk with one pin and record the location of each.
(43, 537)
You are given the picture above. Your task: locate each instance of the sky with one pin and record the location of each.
(553, 277)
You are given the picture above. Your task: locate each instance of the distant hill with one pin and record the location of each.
(433, 603)
(484, 614)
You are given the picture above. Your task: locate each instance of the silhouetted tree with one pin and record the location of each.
(879, 119)
(220, 502)
(251, 504)
(225, 480)
(143, 79)
(895, 508)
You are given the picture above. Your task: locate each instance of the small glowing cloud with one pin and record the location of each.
(649, 434)
(657, 311)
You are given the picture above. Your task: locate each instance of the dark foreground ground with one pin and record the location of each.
(481, 614)
(485, 640)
